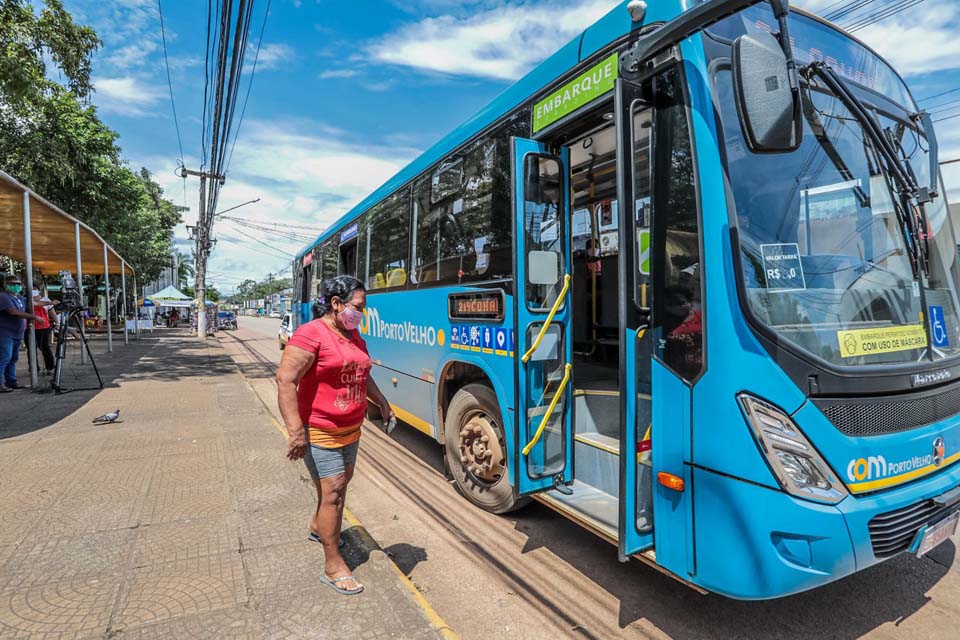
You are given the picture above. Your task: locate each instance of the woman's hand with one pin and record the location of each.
(386, 411)
(297, 444)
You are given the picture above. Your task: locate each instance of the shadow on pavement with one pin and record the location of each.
(406, 556)
(24, 412)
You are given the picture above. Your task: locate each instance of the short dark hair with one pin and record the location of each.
(342, 287)
(11, 277)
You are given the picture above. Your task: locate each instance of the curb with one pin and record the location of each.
(434, 618)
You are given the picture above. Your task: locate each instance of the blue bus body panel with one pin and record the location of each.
(416, 347)
(672, 510)
(631, 541)
(754, 542)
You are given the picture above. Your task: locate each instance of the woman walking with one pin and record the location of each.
(322, 388)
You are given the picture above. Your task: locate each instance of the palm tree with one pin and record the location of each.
(184, 268)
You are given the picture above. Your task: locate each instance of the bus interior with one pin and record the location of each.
(595, 291)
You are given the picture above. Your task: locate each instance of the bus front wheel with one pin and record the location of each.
(476, 449)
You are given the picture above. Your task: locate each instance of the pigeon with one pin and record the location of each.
(107, 417)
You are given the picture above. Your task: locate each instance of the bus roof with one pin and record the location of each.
(610, 27)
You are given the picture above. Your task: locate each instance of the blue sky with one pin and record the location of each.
(347, 92)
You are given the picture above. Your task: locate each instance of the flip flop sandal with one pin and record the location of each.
(312, 537)
(333, 582)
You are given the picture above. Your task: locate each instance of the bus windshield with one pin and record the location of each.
(825, 262)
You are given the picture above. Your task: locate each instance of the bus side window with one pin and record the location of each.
(389, 246)
(678, 315)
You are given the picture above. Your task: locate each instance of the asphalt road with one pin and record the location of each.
(533, 574)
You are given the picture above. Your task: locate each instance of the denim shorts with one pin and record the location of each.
(326, 463)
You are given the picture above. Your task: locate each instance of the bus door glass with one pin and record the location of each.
(543, 435)
(634, 117)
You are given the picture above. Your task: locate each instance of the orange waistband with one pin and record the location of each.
(334, 438)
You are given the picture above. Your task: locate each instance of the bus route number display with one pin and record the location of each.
(782, 267)
(485, 305)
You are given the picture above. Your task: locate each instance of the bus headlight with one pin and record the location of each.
(795, 463)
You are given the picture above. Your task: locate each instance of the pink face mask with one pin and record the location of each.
(350, 318)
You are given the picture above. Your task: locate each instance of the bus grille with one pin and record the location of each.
(861, 417)
(893, 532)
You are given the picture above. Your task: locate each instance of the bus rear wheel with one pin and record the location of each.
(476, 449)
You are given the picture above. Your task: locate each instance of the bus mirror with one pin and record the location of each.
(769, 110)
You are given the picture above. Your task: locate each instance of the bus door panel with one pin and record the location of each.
(543, 452)
(634, 146)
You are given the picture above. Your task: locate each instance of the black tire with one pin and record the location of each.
(474, 400)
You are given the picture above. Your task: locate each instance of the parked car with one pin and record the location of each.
(274, 314)
(286, 330)
(226, 320)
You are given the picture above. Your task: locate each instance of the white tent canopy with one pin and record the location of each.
(171, 297)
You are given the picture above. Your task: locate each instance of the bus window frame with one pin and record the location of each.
(561, 231)
(685, 95)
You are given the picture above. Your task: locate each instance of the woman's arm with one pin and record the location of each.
(294, 363)
(374, 393)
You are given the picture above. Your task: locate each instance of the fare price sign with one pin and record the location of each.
(782, 267)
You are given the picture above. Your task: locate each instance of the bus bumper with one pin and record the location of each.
(754, 542)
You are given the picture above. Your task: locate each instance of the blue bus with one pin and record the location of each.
(692, 283)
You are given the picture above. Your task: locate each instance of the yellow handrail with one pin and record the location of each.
(553, 405)
(549, 320)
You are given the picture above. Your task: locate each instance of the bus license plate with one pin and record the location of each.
(938, 534)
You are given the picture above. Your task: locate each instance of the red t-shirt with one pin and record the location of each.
(41, 312)
(333, 393)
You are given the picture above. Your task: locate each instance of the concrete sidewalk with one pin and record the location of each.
(184, 520)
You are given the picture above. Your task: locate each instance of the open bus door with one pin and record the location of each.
(634, 128)
(543, 455)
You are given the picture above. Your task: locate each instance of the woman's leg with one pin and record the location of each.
(331, 493)
(43, 342)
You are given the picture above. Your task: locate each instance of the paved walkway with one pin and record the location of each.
(183, 520)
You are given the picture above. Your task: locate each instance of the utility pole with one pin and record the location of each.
(204, 229)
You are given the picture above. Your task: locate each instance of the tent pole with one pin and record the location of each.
(83, 300)
(106, 298)
(123, 289)
(28, 258)
(136, 309)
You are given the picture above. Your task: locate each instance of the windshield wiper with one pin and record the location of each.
(897, 173)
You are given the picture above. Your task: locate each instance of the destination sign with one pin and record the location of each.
(481, 305)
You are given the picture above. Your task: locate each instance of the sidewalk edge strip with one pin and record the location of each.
(434, 618)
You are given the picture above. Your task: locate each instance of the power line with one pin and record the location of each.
(882, 13)
(253, 70)
(938, 95)
(173, 104)
(956, 115)
(266, 244)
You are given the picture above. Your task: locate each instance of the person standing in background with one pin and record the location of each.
(13, 322)
(43, 329)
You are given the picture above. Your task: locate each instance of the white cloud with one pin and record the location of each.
(501, 43)
(272, 56)
(126, 95)
(917, 41)
(305, 173)
(338, 73)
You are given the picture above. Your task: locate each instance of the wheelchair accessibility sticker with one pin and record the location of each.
(938, 327)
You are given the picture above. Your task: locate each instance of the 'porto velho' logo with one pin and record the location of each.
(877, 467)
(373, 326)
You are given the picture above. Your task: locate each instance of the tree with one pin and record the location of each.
(52, 140)
(183, 264)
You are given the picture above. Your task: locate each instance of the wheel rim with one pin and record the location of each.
(481, 448)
